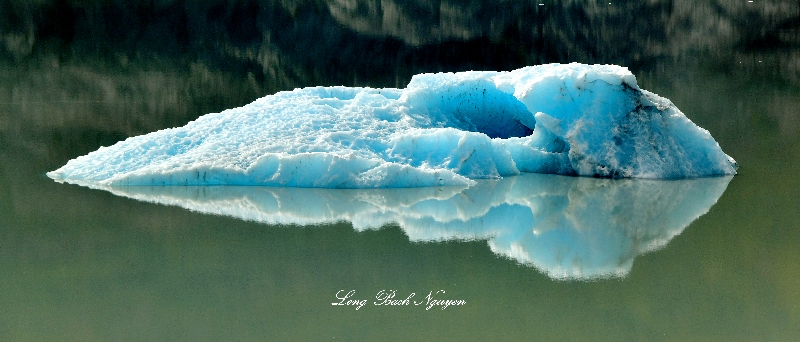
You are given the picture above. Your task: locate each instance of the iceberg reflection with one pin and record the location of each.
(567, 227)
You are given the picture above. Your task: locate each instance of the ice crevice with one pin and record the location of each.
(442, 129)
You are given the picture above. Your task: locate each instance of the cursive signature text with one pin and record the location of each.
(390, 298)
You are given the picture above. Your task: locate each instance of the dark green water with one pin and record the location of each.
(85, 265)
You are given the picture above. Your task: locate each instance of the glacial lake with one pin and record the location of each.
(533, 257)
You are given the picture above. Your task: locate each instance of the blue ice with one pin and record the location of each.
(442, 129)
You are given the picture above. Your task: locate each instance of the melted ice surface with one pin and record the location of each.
(567, 227)
(442, 129)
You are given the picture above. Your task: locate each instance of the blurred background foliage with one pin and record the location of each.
(162, 63)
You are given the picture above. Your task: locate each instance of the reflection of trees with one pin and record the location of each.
(286, 43)
(158, 64)
(68, 110)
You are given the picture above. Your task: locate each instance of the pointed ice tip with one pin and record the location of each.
(630, 80)
(733, 162)
(55, 175)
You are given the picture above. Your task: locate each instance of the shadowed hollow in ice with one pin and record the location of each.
(442, 129)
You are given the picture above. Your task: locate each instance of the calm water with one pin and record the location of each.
(706, 260)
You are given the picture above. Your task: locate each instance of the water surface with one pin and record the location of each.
(84, 264)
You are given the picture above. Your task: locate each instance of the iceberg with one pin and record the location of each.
(570, 228)
(442, 129)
